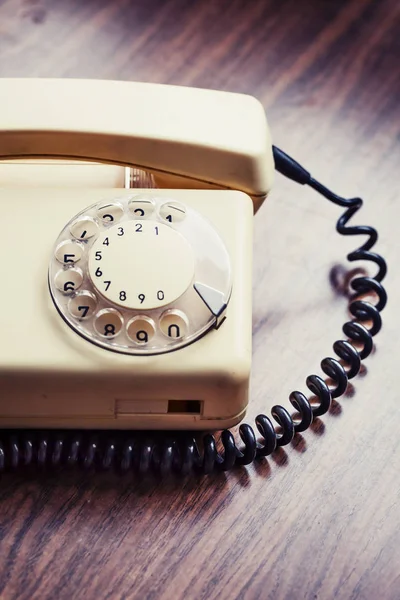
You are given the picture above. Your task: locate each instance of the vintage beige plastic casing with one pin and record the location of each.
(51, 377)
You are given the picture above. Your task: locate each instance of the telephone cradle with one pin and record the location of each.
(135, 206)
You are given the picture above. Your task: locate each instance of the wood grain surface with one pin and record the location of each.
(321, 518)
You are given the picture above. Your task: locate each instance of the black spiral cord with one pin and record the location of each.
(179, 452)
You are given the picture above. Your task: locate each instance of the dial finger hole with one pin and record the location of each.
(68, 280)
(108, 323)
(69, 252)
(141, 330)
(82, 305)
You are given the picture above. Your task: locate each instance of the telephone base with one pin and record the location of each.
(52, 377)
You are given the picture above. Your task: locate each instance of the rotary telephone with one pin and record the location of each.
(134, 203)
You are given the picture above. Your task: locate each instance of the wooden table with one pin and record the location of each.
(320, 518)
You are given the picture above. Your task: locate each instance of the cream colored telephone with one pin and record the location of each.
(124, 307)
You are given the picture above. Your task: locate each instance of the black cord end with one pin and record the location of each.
(288, 167)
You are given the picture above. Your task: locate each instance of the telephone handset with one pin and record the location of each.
(135, 310)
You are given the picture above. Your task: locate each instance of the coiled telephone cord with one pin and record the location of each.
(179, 452)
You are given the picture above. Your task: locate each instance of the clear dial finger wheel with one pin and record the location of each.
(153, 276)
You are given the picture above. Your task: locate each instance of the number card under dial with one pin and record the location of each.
(148, 283)
(141, 265)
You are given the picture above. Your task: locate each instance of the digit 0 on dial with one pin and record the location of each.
(141, 264)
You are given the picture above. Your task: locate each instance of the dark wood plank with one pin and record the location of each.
(321, 518)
